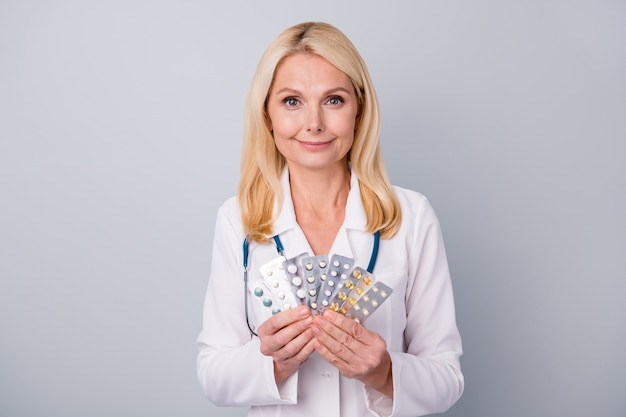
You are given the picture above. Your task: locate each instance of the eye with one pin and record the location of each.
(335, 100)
(291, 102)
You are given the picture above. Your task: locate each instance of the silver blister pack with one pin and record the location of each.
(369, 302)
(314, 270)
(338, 270)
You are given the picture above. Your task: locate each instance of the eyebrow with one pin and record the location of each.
(296, 92)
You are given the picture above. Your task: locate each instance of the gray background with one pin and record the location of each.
(120, 127)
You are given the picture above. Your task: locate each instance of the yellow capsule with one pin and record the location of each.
(334, 306)
(356, 274)
(349, 285)
(367, 281)
(342, 296)
(351, 301)
(343, 310)
(359, 290)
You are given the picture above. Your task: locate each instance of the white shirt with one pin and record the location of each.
(417, 322)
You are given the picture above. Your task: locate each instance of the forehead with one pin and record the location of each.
(308, 71)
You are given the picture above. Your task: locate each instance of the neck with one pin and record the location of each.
(320, 190)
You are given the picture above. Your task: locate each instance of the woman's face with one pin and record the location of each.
(312, 108)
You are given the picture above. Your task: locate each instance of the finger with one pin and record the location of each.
(330, 351)
(342, 336)
(271, 343)
(350, 326)
(299, 347)
(322, 343)
(284, 368)
(284, 319)
(328, 336)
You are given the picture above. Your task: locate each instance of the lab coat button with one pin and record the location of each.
(327, 374)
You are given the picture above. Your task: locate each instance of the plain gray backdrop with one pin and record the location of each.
(120, 127)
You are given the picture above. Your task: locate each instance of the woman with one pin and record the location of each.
(312, 174)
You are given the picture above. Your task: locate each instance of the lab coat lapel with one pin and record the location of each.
(286, 219)
(353, 240)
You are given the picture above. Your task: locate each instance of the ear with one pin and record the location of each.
(359, 111)
(268, 121)
(357, 120)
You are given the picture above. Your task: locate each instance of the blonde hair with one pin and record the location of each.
(262, 164)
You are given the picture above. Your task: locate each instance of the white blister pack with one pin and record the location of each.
(273, 289)
(293, 272)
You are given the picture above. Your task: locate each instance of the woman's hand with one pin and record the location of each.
(355, 351)
(287, 337)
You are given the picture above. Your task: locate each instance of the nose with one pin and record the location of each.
(314, 120)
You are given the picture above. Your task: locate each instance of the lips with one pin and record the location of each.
(315, 145)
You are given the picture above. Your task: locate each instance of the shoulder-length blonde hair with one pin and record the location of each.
(262, 164)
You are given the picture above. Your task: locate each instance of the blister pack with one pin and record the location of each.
(348, 285)
(358, 283)
(273, 288)
(338, 270)
(314, 269)
(293, 272)
(320, 283)
(369, 302)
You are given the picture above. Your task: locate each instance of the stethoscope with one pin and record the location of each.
(281, 250)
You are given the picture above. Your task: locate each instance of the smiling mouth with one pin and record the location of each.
(314, 144)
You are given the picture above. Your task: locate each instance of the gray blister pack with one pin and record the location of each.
(314, 269)
(338, 270)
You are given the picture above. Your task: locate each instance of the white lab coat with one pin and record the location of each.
(417, 322)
